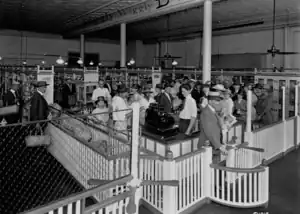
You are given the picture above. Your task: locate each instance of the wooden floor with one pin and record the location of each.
(284, 191)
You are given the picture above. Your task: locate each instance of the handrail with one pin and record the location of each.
(267, 126)
(109, 201)
(188, 155)
(75, 197)
(238, 170)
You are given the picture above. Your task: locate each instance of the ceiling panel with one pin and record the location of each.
(60, 16)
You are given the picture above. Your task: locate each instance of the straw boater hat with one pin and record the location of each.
(219, 87)
(214, 95)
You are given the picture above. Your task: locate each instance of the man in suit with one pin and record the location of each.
(164, 102)
(39, 109)
(68, 89)
(211, 125)
(12, 97)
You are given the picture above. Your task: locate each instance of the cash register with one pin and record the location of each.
(159, 122)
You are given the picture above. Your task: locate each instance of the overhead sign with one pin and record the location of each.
(138, 12)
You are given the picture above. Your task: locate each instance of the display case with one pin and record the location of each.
(86, 87)
(85, 91)
(276, 81)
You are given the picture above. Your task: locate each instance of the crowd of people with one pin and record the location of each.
(212, 107)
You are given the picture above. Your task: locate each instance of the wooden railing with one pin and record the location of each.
(244, 188)
(76, 203)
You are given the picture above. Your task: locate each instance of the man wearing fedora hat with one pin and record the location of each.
(39, 109)
(211, 124)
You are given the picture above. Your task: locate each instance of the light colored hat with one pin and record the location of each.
(212, 95)
(219, 87)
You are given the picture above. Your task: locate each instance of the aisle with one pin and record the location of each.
(284, 191)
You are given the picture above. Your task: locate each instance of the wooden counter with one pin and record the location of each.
(181, 144)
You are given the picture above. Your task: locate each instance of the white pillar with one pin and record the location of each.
(123, 45)
(207, 34)
(82, 47)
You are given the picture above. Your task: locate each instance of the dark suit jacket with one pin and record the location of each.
(8, 100)
(39, 109)
(196, 95)
(210, 128)
(66, 92)
(164, 102)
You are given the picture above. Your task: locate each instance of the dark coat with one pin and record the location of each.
(10, 99)
(164, 102)
(196, 95)
(210, 128)
(39, 109)
(66, 92)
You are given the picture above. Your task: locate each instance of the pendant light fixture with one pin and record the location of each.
(174, 62)
(80, 61)
(99, 64)
(60, 60)
(132, 61)
(91, 63)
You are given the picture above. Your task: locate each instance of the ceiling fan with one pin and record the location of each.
(273, 50)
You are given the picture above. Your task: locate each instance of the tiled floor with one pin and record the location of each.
(284, 191)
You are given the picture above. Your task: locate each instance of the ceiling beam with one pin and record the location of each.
(72, 20)
(196, 31)
(143, 10)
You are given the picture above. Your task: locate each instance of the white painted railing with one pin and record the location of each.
(75, 204)
(152, 169)
(249, 189)
(191, 170)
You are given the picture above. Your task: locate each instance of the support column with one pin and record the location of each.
(82, 48)
(123, 46)
(207, 34)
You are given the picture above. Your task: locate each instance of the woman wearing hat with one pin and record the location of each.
(119, 106)
(188, 114)
(101, 112)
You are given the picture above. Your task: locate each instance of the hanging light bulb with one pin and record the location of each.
(60, 61)
(80, 61)
(132, 61)
(43, 62)
(100, 64)
(91, 63)
(128, 63)
(174, 63)
(66, 63)
(24, 62)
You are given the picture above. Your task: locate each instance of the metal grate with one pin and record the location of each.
(29, 176)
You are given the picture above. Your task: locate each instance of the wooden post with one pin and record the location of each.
(169, 192)
(248, 132)
(206, 170)
(135, 152)
(284, 119)
(297, 131)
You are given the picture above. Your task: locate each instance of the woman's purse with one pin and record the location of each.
(38, 140)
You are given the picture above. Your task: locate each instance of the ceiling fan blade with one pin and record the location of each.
(288, 53)
(164, 183)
